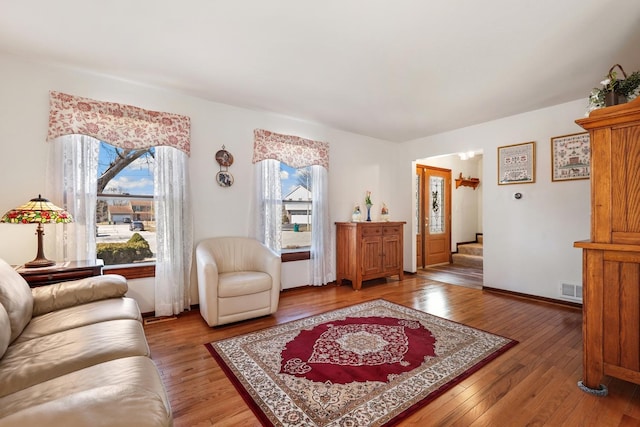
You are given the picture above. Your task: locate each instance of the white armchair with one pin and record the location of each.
(238, 279)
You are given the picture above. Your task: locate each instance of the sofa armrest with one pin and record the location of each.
(68, 294)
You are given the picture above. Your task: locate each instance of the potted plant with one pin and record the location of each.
(615, 90)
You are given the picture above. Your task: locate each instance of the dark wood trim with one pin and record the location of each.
(462, 243)
(132, 272)
(533, 297)
(295, 256)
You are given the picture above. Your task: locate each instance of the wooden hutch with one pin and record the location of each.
(611, 258)
(368, 250)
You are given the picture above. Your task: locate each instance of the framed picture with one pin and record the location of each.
(517, 164)
(571, 157)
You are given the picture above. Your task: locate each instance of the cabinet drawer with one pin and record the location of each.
(372, 231)
(391, 230)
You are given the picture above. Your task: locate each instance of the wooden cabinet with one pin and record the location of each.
(368, 250)
(63, 272)
(611, 258)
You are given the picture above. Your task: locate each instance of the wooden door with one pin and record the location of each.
(434, 216)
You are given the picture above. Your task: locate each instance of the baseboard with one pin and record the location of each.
(533, 297)
(149, 315)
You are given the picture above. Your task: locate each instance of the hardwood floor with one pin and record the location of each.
(455, 274)
(533, 383)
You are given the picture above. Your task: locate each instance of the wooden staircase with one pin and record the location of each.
(469, 253)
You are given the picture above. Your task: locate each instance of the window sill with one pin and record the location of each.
(140, 271)
(132, 271)
(295, 255)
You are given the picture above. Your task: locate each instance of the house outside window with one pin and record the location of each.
(125, 222)
(297, 209)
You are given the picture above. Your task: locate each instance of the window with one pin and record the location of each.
(76, 127)
(296, 208)
(125, 218)
(308, 160)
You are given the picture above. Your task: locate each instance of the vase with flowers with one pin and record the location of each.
(368, 203)
(615, 90)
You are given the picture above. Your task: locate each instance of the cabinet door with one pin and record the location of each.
(624, 188)
(371, 255)
(392, 260)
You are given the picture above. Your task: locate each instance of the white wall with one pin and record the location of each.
(357, 163)
(527, 243)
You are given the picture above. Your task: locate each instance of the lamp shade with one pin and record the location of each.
(40, 211)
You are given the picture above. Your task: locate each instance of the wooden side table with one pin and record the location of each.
(61, 272)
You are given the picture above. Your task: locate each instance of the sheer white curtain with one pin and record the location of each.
(268, 217)
(174, 232)
(322, 247)
(268, 204)
(72, 174)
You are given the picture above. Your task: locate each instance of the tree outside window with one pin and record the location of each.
(125, 221)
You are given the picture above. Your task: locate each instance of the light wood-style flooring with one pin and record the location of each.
(532, 384)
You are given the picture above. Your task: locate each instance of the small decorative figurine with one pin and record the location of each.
(356, 215)
(384, 212)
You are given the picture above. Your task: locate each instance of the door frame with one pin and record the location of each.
(423, 199)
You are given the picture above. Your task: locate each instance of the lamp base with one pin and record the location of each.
(42, 262)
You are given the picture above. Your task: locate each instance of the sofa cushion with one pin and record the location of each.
(5, 330)
(122, 392)
(76, 292)
(80, 315)
(15, 296)
(243, 283)
(31, 362)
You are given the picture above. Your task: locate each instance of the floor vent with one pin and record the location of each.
(572, 291)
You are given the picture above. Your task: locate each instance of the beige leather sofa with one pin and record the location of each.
(238, 279)
(75, 354)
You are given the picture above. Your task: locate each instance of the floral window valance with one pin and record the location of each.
(122, 125)
(295, 151)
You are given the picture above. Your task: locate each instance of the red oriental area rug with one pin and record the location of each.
(369, 364)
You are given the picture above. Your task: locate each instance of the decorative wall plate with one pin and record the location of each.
(224, 158)
(224, 179)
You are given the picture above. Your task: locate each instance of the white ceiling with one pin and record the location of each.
(396, 70)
